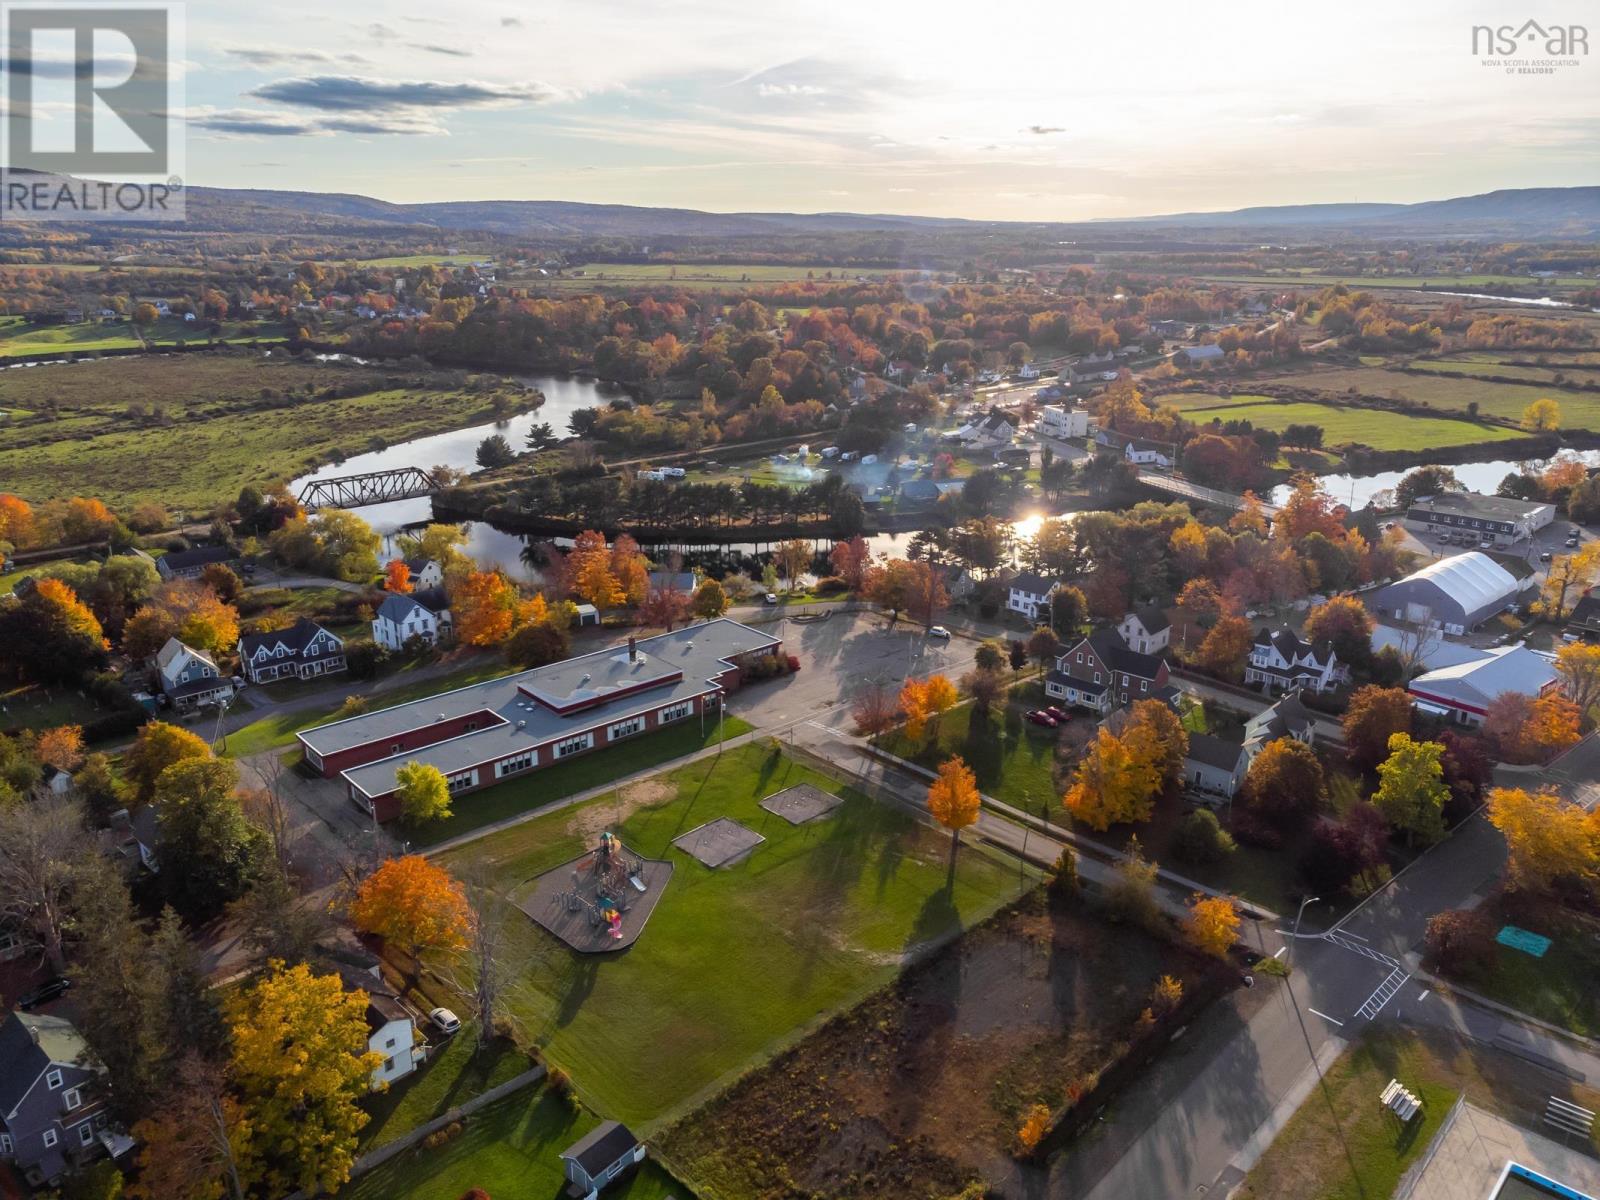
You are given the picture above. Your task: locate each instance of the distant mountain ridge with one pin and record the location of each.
(1571, 212)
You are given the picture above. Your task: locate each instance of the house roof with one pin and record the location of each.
(1475, 504)
(383, 1004)
(1214, 752)
(1586, 611)
(1153, 619)
(1292, 646)
(601, 1146)
(681, 581)
(397, 608)
(1472, 579)
(297, 637)
(1288, 717)
(200, 556)
(920, 489)
(1117, 655)
(1438, 652)
(1199, 353)
(174, 649)
(1507, 669)
(418, 564)
(1033, 584)
(29, 1042)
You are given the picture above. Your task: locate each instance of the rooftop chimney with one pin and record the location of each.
(633, 649)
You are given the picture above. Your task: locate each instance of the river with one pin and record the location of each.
(1357, 490)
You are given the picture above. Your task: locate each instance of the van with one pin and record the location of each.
(673, 472)
(869, 460)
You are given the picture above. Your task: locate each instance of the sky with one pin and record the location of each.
(1050, 110)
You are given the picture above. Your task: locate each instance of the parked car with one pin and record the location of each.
(44, 993)
(445, 1021)
(1544, 557)
(769, 598)
(939, 631)
(1039, 717)
(1060, 714)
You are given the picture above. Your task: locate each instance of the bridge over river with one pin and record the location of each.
(375, 487)
(1178, 486)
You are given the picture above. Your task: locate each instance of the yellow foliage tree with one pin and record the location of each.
(1212, 925)
(1033, 1128)
(300, 1067)
(1117, 781)
(1553, 724)
(158, 746)
(413, 904)
(485, 608)
(1542, 416)
(953, 797)
(1579, 667)
(424, 793)
(1546, 838)
(923, 700)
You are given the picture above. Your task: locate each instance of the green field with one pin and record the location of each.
(1506, 400)
(735, 962)
(689, 276)
(1370, 427)
(456, 1071)
(1311, 278)
(510, 1149)
(19, 339)
(204, 419)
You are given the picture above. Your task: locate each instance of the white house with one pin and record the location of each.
(1028, 371)
(1283, 661)
(1029, 595)
(1060, 421)
(401, 618)
(189, 678)
(425, 573)
(302, 651)
(1214, 767)
(1289, 718)
(391, 1029)
(1146, 630)
(994, 428)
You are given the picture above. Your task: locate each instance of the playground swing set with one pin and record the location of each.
(612, 873)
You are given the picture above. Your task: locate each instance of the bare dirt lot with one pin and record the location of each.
(920, 1089)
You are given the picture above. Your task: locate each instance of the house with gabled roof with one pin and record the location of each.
(400, 618)
(304, 650)
(189, 564)
(1214, 766)
(1289, 718)
(1029, 594)
(1147, 630)
(52, 1113)
(1282, 660)
(425, 572)
(189, 677)
(1101, 672)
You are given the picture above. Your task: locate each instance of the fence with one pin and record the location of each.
(1409, 1181)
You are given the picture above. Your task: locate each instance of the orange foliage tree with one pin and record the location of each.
(1212, 925)
(61, 747)
(16, 520)
(1373, 715)
(485, 608)
(1226, 647)
(414, 904)
(1116, 781)
(923, 700)
(953, 797)
(397, 577)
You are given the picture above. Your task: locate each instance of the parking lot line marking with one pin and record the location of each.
(1325, 1017)
(1279, 954)
(1423, 995)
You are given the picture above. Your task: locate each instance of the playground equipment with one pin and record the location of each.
(606, 874)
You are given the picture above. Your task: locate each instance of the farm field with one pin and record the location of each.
(1507, 400)
(421, 260)
(18, 338)
(216, 422)
(1437, 282)
(690, 276)
(735, 961)
(1370, 427)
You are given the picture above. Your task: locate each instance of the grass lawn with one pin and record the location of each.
(456, 1073)
(1562, 986)
(738, 961)
(576, 775)
(18, 338)
(1376, 428)
(1447, 393)
(1311, 1160)
(510, 1150)
(30, 706)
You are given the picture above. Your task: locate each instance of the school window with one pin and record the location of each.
(574, 745)
(86, 1134)
(53, 1080)
(50, 1138)
(72, 1099)
(519, 762)
(461, 779)
(675, 712)
(471, 725)
(624, 729)
(395, 748)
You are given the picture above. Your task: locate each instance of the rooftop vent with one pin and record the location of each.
(440, 717)
(522, 724)
(585, 679)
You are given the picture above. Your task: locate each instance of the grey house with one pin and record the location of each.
(599, 1157)
(188, 564)
(1214, 766)
(302, 651)
(52, 1117)
(189, 677)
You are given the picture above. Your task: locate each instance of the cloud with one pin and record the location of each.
(354, 93)
(44, 66)
(242, 122)
(789, 89)
(1043, 129)
(511, 22)
(434, 48)
(268, 57)
(382, 32)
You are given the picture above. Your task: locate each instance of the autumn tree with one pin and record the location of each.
(1159, 736)
(985, 687)
(1554, 725)
(537, 644)
(397, 577)
(50, 635)
(485, 608)
(1212, 924)
(159, 745)
(665, 606)
(989, 656)
(875, 711)
(300, 1067)
(630, 568)
(60, 747)
(1344, 622)
(1525, 729)
(1069, 612)
(209, 852)
(1200, 602)
(1569, 574)
(1116, 782)
(412, 904)
(1578, 664)
(1284, 782)
(1547, 838)
(16, 520)
(1042, 646)
(190, 611)
(954, 800)
(41, 846)
(850, 560)
(710, 600)
(423, 793)
(924, 700)
(1542, 416)
(1411, 788)
(86, 520)
(793, 557)
(1373, 716)
(590, 565)
(187, 1148)
(1225, 648)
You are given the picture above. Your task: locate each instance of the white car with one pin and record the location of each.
(939, 631)
(445, 1021)
(769, 598)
